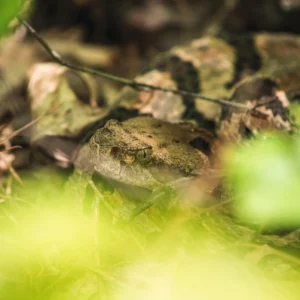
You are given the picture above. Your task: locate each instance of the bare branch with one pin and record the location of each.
(132, 83)
(16, 132)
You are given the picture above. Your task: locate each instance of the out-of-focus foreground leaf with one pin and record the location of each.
(264, 175)
(8, 9)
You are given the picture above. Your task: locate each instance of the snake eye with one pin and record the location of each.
(144, 155)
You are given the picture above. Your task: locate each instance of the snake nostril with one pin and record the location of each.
(115, 151)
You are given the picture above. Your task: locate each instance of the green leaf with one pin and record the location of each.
(295, 112)
(265, 179)
(8, 9)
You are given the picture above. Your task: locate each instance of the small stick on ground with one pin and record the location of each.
(16, 132)
(132, 83)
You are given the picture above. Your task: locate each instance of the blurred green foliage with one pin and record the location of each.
(295, 111)
(264, 175)
(51, 250)
(8, 9)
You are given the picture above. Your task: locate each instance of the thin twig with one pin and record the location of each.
(15, 175)
(132, 83)
(141, 208)
(16, 132)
